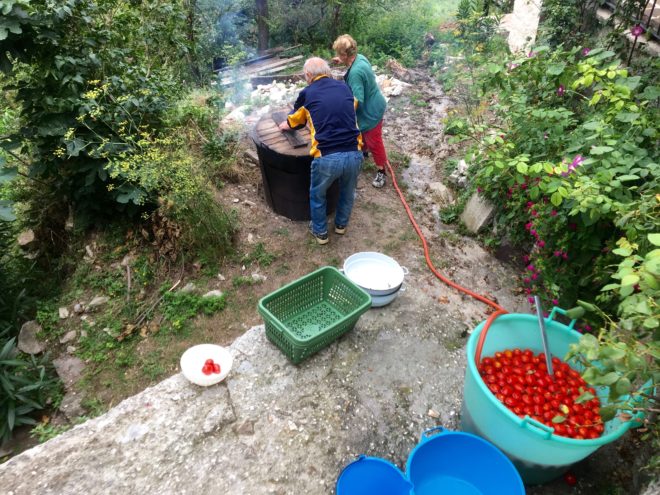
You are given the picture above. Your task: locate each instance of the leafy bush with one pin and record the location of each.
(398, 34)
(563, 20)
(603, 122)
(87, 76)
(25, 387)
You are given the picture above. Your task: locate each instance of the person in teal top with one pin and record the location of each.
(371, 102)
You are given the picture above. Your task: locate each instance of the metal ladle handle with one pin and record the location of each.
(544, 336)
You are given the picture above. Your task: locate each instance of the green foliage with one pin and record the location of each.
(89, 77)
(46, 431)
(243, 280)
(178, 307)
(398, 34)
(564, 21)
(383, 29)
(259, 255)
(206, 228)
(637, 286)
(47, 317)
(25, 387)
(599, 119)
(455, 125)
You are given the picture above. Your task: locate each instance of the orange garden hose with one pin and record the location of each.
(498, 309)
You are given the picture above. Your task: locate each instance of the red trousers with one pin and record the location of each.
(373, 143)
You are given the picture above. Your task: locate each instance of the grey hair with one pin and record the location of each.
(316, 66)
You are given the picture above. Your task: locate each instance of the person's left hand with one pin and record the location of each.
(284, 125)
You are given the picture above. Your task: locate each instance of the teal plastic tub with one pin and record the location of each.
(537, 453)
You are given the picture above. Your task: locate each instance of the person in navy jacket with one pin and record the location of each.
(327, 106)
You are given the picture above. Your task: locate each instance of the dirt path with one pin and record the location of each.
(415, 142)
(418, 150)
(418, 338)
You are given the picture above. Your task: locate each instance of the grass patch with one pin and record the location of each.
(259, 255)
(179, 307)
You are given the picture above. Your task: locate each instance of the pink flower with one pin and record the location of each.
(561, 90)
(479, 189)
(541, 244)
(528, 225)
(585, 51)
(553, 213)
(530, 204)
(531, 54)
(526, 280)
(530, 268)
(555, 302)
(523, 185)
(530, 300)
(557, 254)
(535, 276)
(533, 232)
(534, 213)
(587, 328)
(577, 161)
(564, 256)
(528, 291)
(525, 259)
(637, 30)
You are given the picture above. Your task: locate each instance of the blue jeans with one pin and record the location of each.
(343, 166)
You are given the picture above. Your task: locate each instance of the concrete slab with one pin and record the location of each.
(478, 213)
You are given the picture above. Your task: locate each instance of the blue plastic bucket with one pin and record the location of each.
(444, 462)
(539, 455)
(459, 463)
(372, 476)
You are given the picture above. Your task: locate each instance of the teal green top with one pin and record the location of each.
(371, 102)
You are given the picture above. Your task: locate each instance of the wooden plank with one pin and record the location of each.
(258, 70)
(274, 138)
(270, 53)
(286, 149)
(284, 61)
(266, 137)
(294, 138)
(257, 80)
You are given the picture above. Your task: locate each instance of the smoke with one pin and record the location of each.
(226, 30)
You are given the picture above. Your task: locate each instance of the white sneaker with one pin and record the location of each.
(379, 180)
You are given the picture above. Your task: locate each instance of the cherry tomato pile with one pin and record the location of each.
(210, 367)
(519, 379)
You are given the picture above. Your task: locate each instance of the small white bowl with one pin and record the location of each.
(192, 362)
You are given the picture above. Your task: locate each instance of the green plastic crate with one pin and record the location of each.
(308, 314)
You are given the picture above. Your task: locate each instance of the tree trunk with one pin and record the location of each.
(262, 25)
(193, 63)
(334, 27)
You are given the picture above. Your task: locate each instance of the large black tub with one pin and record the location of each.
(285, 169)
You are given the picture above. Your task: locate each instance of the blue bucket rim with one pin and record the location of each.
(363, 458)
(444, 433)
(521, 422)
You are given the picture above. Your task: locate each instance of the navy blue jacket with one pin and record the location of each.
(329, 108)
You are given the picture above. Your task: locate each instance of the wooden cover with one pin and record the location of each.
(292, 143)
